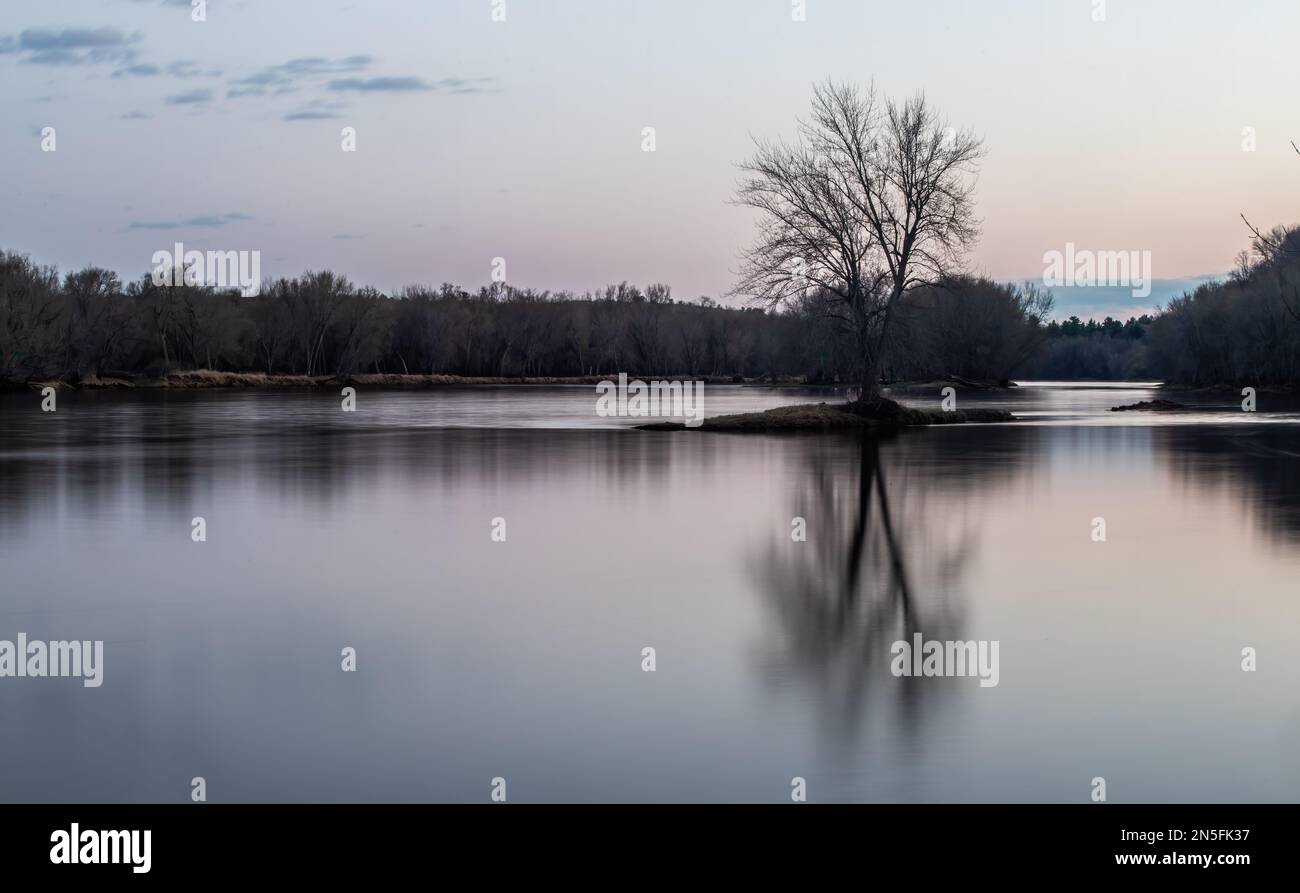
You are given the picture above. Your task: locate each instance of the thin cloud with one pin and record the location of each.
(187, 68)
(379, 85)
(409, 84)
(139, 71)
(1097, 301)
(288, 74)
(182, 69)
(191, 97)
(203, 221)
(73, 38)
(71, 46)
(317, 110)
(466, 85)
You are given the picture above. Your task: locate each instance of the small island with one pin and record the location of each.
(1158, 405)
(879, 412)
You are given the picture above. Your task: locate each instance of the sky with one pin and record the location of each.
(478, 138)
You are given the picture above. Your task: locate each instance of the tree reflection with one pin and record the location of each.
(881, 562)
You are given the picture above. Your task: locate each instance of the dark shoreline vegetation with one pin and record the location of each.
(87, 329)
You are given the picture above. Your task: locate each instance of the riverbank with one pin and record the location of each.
(192, 379)
(207, 378)
(1226, 389)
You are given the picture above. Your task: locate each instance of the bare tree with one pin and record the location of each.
(1271, 244)
(95, 323)
(315, 301)
(1271, 249)
(866, 205)
(29, 313)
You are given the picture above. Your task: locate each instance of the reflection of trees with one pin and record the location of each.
(172, 450)
(879, 564)
(1256, 462)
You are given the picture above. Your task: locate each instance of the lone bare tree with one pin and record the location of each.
(865, 205)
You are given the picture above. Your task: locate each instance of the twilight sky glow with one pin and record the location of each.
(522, 139)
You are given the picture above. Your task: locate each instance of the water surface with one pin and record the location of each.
(522, 659)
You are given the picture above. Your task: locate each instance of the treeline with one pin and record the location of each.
(1244, 331)
(1106, 350)
(90, 324)
(86, 324)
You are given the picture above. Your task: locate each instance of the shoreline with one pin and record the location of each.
(213, 380)
(201, 379)
(197, 379)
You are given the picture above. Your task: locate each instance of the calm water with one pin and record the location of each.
(522, 659)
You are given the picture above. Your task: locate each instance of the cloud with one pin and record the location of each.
(73, 38)
(379, 85)
(141, 71)
(90, 46)
(186, 68)
(409, 84)
(465, 85)
(136, 116)
(182, 69)
(317, 110)
(317, 65)
(320, 72)
(309, 116)
(190, 97)
(203, 221)
(1098, 301)
(71, 46)
(287, 74)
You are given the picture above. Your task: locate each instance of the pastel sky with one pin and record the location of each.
(522, 139)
